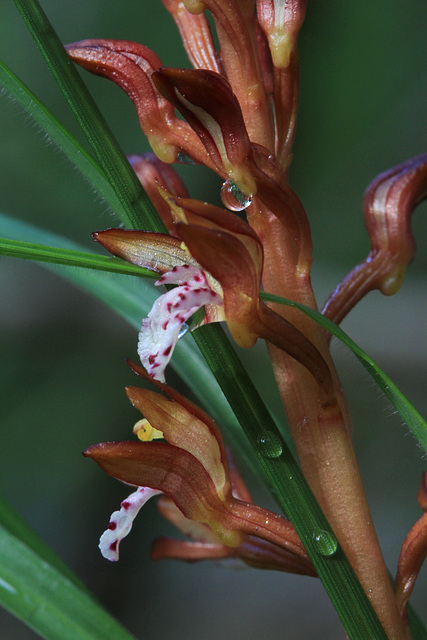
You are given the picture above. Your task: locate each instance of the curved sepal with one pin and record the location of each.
(131, 66)
(388, 205)
(195, 34)
(153, 173)
(186, 430)
(206, 101)
(156, 251)
(413, 554)
(175, 472)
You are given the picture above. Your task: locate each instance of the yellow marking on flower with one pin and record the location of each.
(146, 432)
(184, 247)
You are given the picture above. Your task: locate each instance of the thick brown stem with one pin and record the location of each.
(322, 435)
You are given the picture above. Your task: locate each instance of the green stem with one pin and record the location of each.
(71, 258)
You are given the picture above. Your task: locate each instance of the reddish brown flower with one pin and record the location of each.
(220, 266)
(190, 467)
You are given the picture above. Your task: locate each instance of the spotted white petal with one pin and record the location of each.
(121, 522)
(162, 328)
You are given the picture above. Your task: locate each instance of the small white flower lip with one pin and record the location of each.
(121, 522)
(163, 327)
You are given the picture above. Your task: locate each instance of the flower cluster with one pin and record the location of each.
(205, 498)
(239, 108)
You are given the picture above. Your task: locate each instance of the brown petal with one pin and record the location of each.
(131, 66)
(185, 430)
(235, 23)
(228, 261)
(206, 101)
(153, 173)
(195, 34)
(195, 530)
(157, 251)
(208, 215)
(175, 472)
(388, 205)
(412, 556)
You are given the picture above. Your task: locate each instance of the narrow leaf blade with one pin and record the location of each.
(407, 412)
(47, 601)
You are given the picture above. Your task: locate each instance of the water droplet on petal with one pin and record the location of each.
(183, 330)
(233, 198)
(270, 445)
(183, 158)
(326, 543)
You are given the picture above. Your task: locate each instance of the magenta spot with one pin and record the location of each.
(161, 279)
(154, 366)
(125, 505)
(112, 526)
(169, 307)
(167, 351)
(182, 296)
(212, 293)
(164, 325)
(175, 268)
(151, 359)
(185, 266)
(113, 546)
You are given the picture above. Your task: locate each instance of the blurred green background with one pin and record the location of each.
(62, 367)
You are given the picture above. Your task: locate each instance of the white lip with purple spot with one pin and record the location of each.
(121, 522)
(162, 328)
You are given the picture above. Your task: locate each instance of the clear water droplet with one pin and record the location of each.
(183, 158)
(270, 445)
(233, 198)
(326, 543)
(183, 330)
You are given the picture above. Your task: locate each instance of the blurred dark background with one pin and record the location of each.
(62, 368)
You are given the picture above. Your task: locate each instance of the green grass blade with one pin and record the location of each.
(140, 212)
(16, 526)
(41, 596)
(407, 412)
(64, 140)
(71, 258)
